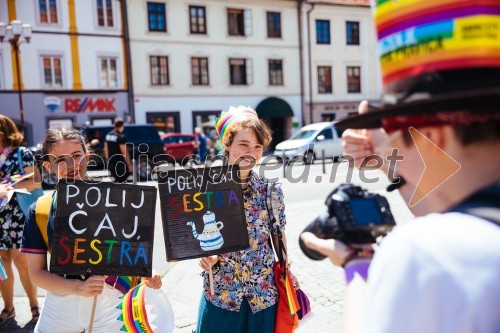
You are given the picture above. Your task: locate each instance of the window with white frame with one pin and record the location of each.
(352, 32)
(325, 80)
(157, 17)
(197, 20)
(239, 22)
(105, 13)
(47, 10)
(353, 79)
(109, 72)
(159, 70)
(273, 25)
(275, 72)
(52, 71)
(199, 71)
(240, 71)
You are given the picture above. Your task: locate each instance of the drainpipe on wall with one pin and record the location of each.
(128, 61)
(301, 60)
(310, 62)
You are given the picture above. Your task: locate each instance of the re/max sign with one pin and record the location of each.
(87, 104)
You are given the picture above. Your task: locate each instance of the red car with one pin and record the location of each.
(179, 145)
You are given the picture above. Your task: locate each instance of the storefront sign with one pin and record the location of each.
(52, 102)
(88, 104)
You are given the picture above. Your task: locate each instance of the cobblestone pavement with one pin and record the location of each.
(320, 280)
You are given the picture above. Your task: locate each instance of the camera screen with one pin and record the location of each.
(365, 211)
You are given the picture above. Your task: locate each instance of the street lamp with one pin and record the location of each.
(16, 33)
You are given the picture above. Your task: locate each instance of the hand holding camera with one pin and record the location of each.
(354, 218)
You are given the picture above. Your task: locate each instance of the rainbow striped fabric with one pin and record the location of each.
(291, 295)
(122, 283)
(421, 36)
(134, 316)
(233, 115)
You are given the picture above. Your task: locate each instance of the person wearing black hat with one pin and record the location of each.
(440, 272)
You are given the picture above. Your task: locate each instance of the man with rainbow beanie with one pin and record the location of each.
(440, 272)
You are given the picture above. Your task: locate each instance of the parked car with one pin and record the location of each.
(143, 141)
(309, 143)
(179, 146)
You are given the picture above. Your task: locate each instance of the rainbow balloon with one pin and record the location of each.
(134, 316)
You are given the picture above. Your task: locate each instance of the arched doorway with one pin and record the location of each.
(278, 114)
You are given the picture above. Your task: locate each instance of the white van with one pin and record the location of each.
(309, 143)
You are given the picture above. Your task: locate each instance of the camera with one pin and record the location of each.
(352, 215)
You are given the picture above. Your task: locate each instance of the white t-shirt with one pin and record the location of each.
(436, 274)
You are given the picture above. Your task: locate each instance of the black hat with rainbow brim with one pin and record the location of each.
(437, 57)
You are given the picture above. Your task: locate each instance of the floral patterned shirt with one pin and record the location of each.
(249, 273)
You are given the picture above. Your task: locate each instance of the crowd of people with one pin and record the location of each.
(437, 273)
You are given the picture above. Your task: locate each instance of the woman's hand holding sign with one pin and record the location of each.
(153, 282)
(92, 286)
(207, 262)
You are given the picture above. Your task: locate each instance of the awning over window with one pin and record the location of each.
(274, 107)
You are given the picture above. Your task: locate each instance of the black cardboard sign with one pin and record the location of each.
(103, 229)
(202, 211)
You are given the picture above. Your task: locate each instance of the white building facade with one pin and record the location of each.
(72, 71)
(193, 59)
(340, 41)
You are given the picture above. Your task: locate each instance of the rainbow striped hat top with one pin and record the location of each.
(232, 116)
(435, 52)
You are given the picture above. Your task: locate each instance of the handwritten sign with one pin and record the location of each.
(202, 212)
(103, 229)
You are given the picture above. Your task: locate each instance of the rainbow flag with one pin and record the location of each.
(134, 316)
(122, 283)
(3, 273)
(291, 295)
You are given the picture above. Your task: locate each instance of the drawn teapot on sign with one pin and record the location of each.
(211, 238)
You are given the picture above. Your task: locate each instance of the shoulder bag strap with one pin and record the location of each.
(42, 212)
(280, 247)
(20, 160)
